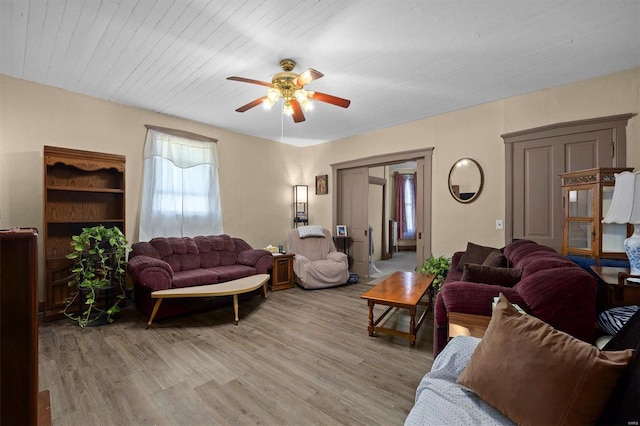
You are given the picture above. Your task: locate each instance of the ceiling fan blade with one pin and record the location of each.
(307, 77)
(330, 99)
(248, 80)
(251, 104)
(298, 115)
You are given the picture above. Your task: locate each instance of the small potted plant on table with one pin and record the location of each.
(439, 266)
(99, 255)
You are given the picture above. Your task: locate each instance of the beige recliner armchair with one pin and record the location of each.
(317, 263)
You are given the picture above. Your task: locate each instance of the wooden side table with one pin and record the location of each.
(620, 290)
(282, 272)
(467, 324)
(343, 244)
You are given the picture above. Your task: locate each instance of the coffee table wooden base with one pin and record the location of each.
(234, 287)
(413, 325)
(400, 290)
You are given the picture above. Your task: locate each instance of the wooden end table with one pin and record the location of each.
(467, 324)
(282, 272)
(620, 290)
(400, 290)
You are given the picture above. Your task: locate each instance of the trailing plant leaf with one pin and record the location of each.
(99, 256)
(439, 266)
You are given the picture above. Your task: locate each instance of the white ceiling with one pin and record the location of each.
(397, 61)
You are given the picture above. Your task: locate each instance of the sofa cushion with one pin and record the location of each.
(496, 259)
(210, 247)
(194, 277)
(233, 272)
(572, 379)
(539, 262)
(565, 298)
(518, 248)
(526, 252)
(474, 254)
(181, 253)
(228, 254)
(506, 277)
(474, 298)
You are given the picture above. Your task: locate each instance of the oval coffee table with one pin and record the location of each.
(234, 287)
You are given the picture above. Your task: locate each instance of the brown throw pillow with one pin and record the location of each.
(535, 374)
(496, 259)
(506, 277)
(474, 254)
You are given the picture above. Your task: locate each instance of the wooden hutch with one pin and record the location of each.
(586, 197)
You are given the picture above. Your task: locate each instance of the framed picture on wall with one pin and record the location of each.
(341, 230)
(322, 184)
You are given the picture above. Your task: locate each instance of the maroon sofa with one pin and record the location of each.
(164, 263)
(551, 287)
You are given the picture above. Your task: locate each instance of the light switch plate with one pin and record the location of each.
(499, 224)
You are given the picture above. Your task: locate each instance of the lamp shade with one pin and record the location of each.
(300, 193)
(625, 204)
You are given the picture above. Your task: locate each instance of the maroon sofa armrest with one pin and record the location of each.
(150, 272)
(475, 298)
(260, 259)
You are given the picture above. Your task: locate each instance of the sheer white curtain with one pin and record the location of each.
(180, 188)
(405, 203)
(409, 231)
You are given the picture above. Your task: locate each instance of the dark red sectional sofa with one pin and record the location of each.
(551, 288)
(164, 263)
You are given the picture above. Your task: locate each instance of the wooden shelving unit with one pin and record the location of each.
(586, 196)
(81, 189)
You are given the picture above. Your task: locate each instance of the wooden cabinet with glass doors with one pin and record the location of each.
(586, 196)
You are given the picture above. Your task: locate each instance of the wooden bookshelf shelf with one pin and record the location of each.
(82, 189)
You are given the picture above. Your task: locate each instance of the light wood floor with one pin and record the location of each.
(298, 357)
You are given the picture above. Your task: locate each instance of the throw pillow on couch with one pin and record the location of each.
(477, 254)
(556, 379)
(505, 277)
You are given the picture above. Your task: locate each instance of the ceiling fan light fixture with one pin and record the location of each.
(303, 100)
(300, 95)
(273, 95)
(306, 105)
(267, 103)
(290, 87)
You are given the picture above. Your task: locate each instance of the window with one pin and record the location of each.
(180, 188)
(406, 205)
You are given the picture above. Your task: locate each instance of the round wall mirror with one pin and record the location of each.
(466, 180)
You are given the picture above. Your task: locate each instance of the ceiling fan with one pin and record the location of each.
(290, 87)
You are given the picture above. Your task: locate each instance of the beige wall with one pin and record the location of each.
(475, 132)
(257, 175)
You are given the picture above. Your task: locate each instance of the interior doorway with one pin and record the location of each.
(392, 190)
(351, 206)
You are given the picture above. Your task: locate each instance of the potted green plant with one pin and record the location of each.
(439, 266)
(99, 255)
